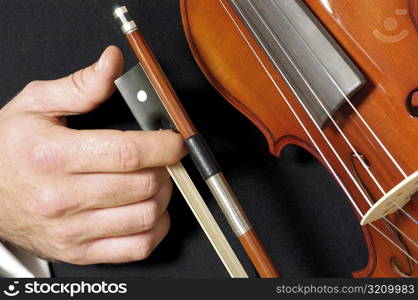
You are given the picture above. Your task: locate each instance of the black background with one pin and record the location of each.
(302, 216)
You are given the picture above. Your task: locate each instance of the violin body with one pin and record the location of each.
(383, 44)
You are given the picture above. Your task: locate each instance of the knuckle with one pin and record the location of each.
(74, 255)
(151, 184)
(177, 148)
(50, 203)
(63, 235)
(66, 247)
(45, 156)
(77, 83)
(142, 250)
(128, 155)
(151, 215)
(60, 235)
(30, 93)
(31, 87)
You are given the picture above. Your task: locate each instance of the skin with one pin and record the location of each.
(82, 196)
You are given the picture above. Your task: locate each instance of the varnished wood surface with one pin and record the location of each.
(239, 69)
(161, 84)
(258, 255)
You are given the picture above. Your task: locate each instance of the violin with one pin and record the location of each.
(339, 79)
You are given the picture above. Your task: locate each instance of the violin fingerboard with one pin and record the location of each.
(318, 70)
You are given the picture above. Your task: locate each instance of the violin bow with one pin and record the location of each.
(199, 151)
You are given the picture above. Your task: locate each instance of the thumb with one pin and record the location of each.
(77, 93)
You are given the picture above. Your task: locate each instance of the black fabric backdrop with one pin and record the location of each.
(300, 213)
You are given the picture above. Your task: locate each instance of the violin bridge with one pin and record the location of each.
(393, 201)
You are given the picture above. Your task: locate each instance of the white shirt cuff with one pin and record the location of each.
(16, 263)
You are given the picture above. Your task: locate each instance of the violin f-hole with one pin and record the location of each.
(412, 103)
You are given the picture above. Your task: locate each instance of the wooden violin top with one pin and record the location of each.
(368, 140)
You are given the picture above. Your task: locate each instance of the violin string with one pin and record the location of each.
(340, 90)
(307, 111)
(325, 109)
(352, 106)
(394, 243)
(354, 204)
(356, 154)
(319, 101)
(407, 237)
(348, 172)
(342, 163)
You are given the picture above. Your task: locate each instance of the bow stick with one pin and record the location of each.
(148, 110)
(199, 151)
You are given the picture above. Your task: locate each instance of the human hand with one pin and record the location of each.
(82, 196)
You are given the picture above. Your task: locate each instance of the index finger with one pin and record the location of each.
(88, 151)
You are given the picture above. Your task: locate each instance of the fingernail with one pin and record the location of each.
(101, 63)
